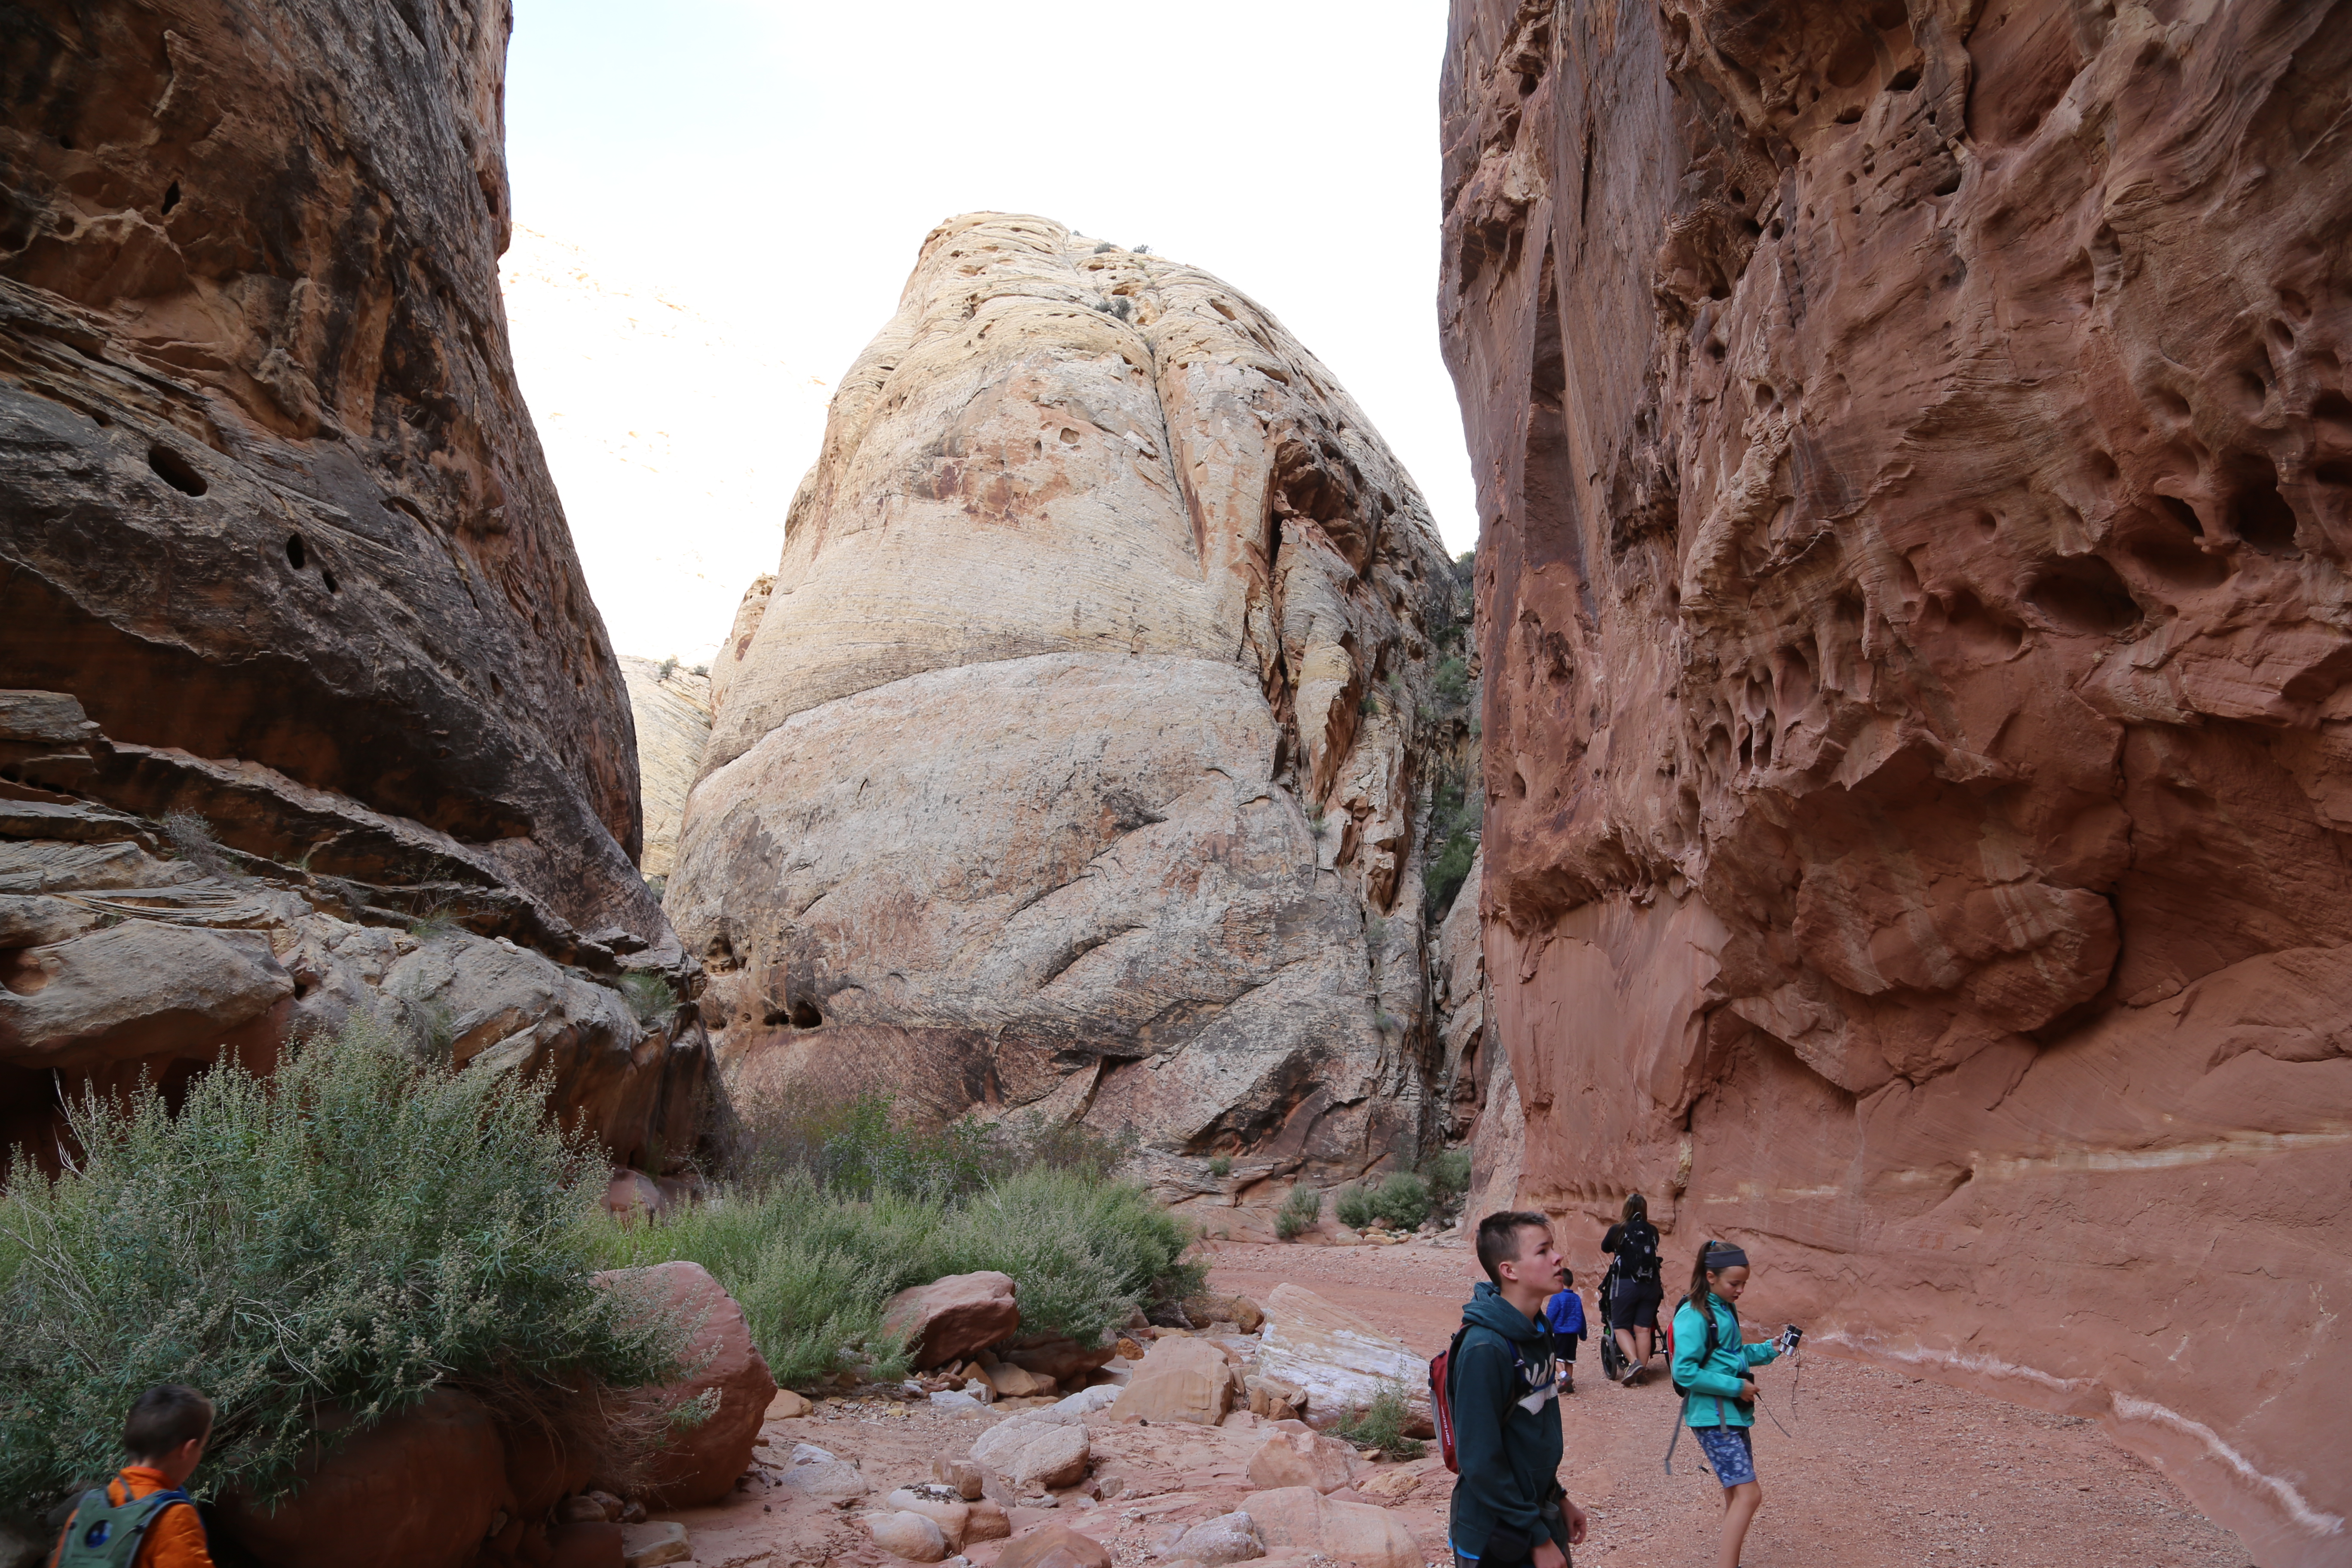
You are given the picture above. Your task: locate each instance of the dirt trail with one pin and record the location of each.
(1875, 1469)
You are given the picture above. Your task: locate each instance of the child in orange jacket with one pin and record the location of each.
(165, 1435)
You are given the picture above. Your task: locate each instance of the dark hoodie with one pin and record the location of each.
(1509, 1454)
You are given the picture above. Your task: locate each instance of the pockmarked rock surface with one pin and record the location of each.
(1072, 761)
(1916, 454)
(671, 706)
(278, 550)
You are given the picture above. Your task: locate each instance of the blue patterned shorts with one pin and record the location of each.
(1728, 1453)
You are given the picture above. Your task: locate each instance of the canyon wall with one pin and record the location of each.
(1914, 448)
(280, 559)
(1072, 761)
(671, 708)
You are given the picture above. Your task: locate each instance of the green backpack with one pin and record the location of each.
(106, 1535)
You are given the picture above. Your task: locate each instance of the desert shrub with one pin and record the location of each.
(668, 667)
(1353, 1205)
(829, 1211)
(1450, 684)
(1448, 1174)
(1221, 1167)
(650, 997)
(1444, 879)
(1381, 1425)
(1401, 1200)
(191, 839)
(1299, 1211)
(353, 1232)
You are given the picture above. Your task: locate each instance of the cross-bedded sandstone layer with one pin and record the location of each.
(1916, 447)
(271, 508)
(1072, 761)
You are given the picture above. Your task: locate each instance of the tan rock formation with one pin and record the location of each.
(275, 528)
(1071, 763)
(1914, 639)
(671, 708)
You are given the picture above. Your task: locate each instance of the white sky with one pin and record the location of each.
(716, 202)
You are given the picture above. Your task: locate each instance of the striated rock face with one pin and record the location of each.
(1915, 642)
(1072, 761)
(671, 708)
(270, 493)
(279, 554)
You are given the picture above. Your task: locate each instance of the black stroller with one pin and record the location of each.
(1613, 1357)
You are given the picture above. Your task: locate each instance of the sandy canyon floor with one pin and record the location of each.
(1875, 1468)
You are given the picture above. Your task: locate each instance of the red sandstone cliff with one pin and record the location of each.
(1917, 450)
(278, 551)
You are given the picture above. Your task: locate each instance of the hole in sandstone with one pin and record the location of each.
(1975, 627)
(2102, 465)
(2183, 513)
(2282, 337)
(1904, 80)
(2294, 304)
(296, 556)
(1069, 436)
(2252, 391)
(1948, 184)
(804, 1014)
(1715, 350)
(2170, 402)
(1889, 14)
(67, 144)
(2258, 514)
(2164, 550)
(175, 470)
(171, 195)
(1850, 115)
(329, 579)
(2334, 410)
(1739, 196)
(1853, 62)
(1987, 523)
(2332, 473)
(2084, 595)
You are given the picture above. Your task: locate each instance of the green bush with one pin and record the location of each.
(651, 998)
(1400, 1201)
(832, 1211)
(1299, 1211)
(355, 1231)
(862, 1146)
(1381, 1425)
(1450, 684)
(1448, 1174)
(1221, 1167)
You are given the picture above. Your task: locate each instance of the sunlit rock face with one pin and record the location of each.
(1072, 761)
(1916, 452)
(274, 526)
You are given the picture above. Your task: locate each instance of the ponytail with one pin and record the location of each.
(1713, 1257)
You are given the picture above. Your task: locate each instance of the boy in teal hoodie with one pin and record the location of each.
(1508, 1507)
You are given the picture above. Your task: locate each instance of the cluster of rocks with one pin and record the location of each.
(1307, 1360)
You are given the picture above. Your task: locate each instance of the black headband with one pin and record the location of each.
(1722, 1255)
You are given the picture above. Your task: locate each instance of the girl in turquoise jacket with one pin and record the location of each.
(1711, 1365)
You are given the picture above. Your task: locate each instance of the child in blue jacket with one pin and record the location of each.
(1565, 1314)
(1712, 1366)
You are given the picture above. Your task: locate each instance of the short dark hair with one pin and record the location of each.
(1498, 1239)
(165, 1416)
(1636, 1207)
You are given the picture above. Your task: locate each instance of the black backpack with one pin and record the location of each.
(1637, 1252)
